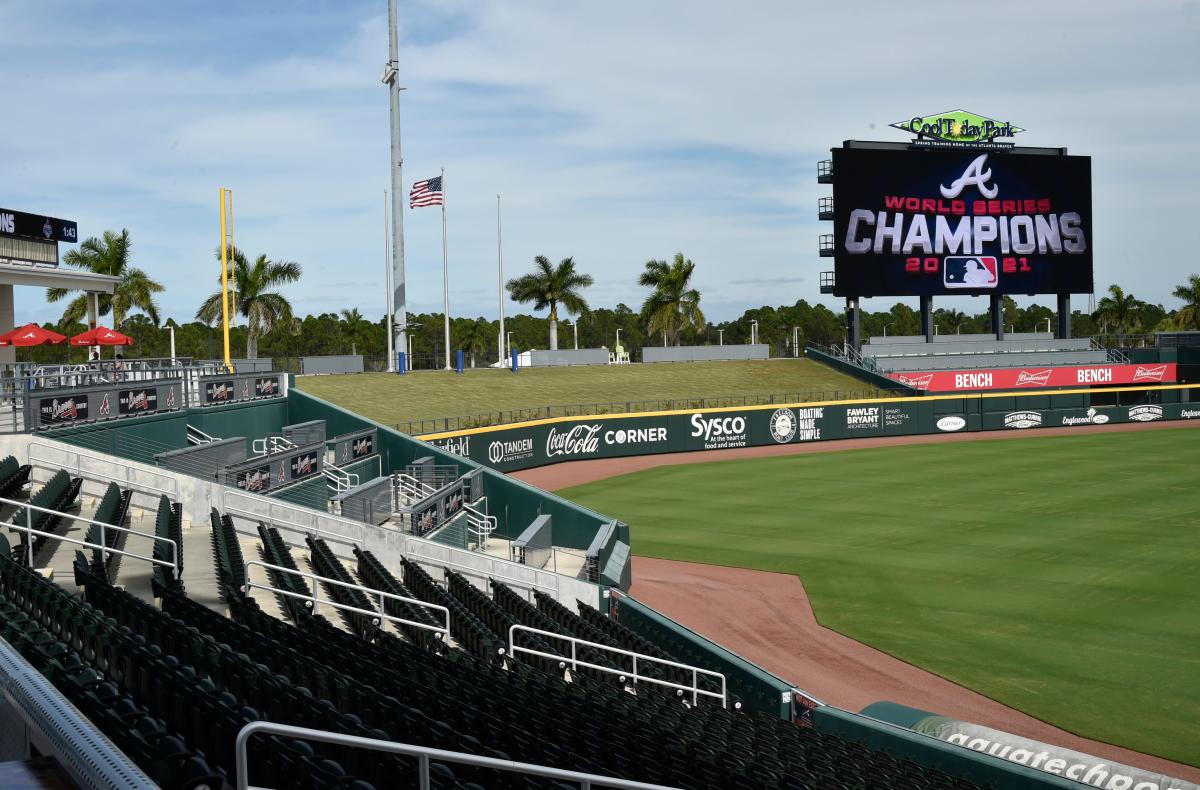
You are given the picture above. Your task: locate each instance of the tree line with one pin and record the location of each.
(266, 325)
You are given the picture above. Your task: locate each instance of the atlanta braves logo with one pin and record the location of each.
(975, 176)
(105, 407)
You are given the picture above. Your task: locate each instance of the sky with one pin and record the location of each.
(616, 132)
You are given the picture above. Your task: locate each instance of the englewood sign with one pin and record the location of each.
(525, 445)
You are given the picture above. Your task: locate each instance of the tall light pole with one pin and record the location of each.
(753, 331)
(885, 326)
(391, 78)
(508, 337)
(795, 341)
(575, 326)
(387, 277)
(618, 338)
(720, 337)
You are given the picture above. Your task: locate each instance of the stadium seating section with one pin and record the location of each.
(955, 352)
(172, 686)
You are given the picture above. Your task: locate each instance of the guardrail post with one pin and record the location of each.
(423, 771)
(29, 537)
(104, 551)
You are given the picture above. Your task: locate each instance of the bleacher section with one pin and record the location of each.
(58, 493)
(968, 352)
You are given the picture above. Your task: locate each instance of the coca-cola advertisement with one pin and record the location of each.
(219, 391)
(140, 401)
(71, 408)
(256, 479)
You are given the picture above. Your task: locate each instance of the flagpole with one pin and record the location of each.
(387, 277)
(445, 271)
(500, 264)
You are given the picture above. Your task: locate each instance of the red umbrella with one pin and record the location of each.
(30, 335)
(102, 336)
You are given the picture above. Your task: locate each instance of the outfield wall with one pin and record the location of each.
(555, 440)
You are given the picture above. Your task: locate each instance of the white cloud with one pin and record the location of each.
(616, 132)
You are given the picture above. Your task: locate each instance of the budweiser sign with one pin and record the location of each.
(1065, 376)
(1037, 378)
(1150, 374)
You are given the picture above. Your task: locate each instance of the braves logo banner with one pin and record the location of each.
(219, 391)
(1023, 378)
(256, 479)
(53, 411)
(920, 221)
(304, 465)
(141, 401)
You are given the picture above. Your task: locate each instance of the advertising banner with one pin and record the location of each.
(911, 221)
(527, 445)
(1085, 768)
(69, 406)
(273, 471)
(1032, 378)
(236, 388)
(351, 447)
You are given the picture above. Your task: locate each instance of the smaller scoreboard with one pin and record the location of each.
(921, 221)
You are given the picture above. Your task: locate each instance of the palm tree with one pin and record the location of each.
(549, 286)
(478, 338)
(672, 306)
(357, 328)
(262, 308)
(109, 255)
(1189, 294)
(1120, 310)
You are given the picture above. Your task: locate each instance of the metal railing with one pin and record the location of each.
(127, 480)
(424, 755)
(598, 408)
(196, 436)
(105, 550)
(481, 525)
(410, 489)
(315, 600)
(271, 505)
(269, 445)
(633, 675)
(479, 565)
(339, 479)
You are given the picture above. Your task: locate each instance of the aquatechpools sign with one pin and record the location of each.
(538, 443)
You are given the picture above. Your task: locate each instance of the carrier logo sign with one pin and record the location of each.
(1150, 374)
(718, 432)
(1145, 413)
(951, 423)
(970, 271)
(783, 425)
(580, 440)
(1023, 419)
(514, 450)
(1037, 378)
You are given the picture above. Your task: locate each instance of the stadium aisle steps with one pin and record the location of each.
(198, 577)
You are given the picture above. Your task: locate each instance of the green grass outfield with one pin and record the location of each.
(391, 399)
(1060, 576)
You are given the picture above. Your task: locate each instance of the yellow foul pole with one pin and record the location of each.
(225, 281)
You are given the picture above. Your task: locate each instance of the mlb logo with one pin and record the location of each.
(970, 271)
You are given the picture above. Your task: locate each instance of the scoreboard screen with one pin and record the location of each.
(958, 221)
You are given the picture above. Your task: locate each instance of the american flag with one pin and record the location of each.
(426, 193)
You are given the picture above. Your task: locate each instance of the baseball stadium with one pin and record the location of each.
(853, 561)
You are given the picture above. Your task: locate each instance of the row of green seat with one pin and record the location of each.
(500, 621)
(327, 565)
(228, 562)
(59, 493)
(58, 634)
(13, 476)
(374, 575)
(168, 524)
(113, 509)
(468, 630)
(275, 552)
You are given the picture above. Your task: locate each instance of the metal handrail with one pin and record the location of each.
(423, 754)
(288, 524)
(29, 508)
(173, 492)
(315, 599)
(697, 692)
(491, 572)
(269, 445)
(85, 543)
(200, 436)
